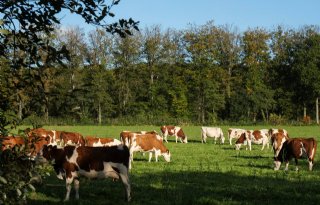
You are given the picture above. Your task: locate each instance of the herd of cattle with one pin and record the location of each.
(73, 155)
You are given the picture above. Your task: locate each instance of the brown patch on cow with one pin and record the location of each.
(241, 139)
(257, 134)
(170, 129)
(75, 138)
(181, 134)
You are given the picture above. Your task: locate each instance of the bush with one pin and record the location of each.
(275, 119)
(17, 172)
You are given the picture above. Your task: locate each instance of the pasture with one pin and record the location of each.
(197, 174)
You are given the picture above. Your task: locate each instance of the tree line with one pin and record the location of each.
(204, 74)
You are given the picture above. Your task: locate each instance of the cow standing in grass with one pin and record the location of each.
(147, 143)
(169, 130)
(214, 132)
(245, 138)
(286, 148)
(91, 162)
(234, 133)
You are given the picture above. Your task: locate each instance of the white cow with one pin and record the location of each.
(234, 133)
(214, 132)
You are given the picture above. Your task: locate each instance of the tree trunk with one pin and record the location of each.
(99, 114)
(20, 109)
(317, 110)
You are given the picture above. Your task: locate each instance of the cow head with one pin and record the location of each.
(167, 155)
(222, 139)
(277, 140)
(185, 140)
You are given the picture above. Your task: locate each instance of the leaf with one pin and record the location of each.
(32, 187)
(3, 180)
(19, 193)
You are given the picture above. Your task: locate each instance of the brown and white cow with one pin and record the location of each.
(296, 148)
(169, 130)
(101, 141)
(41, 132)
(71, 138)
(148, 143)
(277, 140)
(32, 144)
(235, 133)
(125, 136)
(260, 137)
(274, 131)
(92, 162)
(8, 142)
(245, 138)
(214, 132)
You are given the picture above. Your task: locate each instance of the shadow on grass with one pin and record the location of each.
(184, 187)
(252, 157)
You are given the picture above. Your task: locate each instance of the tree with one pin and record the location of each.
(28, 19)
(255, 64)
(202, 47)
(282, 79)
(306, 68)
(99, 76)
(126, 54)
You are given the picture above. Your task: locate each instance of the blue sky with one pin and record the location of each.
(243, 14)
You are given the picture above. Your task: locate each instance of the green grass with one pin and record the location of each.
(197, 174)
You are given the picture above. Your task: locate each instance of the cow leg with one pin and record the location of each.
(263, 144)
(204, 139)
(296, 161)
(230, 139)
(310, 165)
(277, 165)
(156, 154)
(165, 138)
(125, 180)
(150, 156)
(76, 185)
(68, 187)
(287, 166)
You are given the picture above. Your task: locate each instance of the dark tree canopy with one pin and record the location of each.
(25, 23)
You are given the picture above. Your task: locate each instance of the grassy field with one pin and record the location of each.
(197, 174)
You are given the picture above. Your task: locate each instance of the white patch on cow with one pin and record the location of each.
(74, 157)
(97, 144)
(60, 176)
(279, 147)
(312, 153)
(159, 137)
